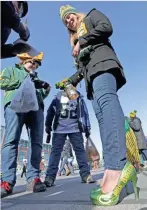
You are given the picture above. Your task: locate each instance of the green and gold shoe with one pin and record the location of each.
(112, 198)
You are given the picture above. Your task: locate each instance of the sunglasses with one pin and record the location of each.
(34, 64)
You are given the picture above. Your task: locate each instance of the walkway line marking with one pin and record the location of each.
(54, 194)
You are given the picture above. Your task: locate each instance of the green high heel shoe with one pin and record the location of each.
(112, 198)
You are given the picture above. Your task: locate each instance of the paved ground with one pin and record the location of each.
(70, 194)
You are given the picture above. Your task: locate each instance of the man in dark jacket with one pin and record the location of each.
(11, 12)
(70, 119)
(136, 125)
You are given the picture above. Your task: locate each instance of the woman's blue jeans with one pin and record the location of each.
(111, 121)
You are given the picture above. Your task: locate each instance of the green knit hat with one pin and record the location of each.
(64, 10)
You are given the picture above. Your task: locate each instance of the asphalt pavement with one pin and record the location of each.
(70, 194)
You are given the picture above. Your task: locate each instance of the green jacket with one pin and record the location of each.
(11, 79)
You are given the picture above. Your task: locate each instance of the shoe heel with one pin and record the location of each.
(127, 189)
(134, 182)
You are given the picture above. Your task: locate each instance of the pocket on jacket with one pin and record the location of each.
(101, 54)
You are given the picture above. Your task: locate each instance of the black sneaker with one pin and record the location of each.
(6, 189)
(36, 185)
(88, 180)
(49, 182)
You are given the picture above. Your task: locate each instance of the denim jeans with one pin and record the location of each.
(143, 152)
(111, 121)
(13, 128)
(58, 141)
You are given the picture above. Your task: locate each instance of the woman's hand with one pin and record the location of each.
(76, 50)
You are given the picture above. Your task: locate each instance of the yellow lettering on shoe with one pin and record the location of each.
(126, 175)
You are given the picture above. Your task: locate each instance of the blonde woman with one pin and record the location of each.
(98, 64)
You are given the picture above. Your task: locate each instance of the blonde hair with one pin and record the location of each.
(73, 34)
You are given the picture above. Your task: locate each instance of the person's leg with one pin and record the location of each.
(22, 174)
(95, 164)
(58, 142)
(111, 121)
(144, 154)
(77, 142)
(70, 166)
(141, 158)
(35, 126)
(67, 170)
(63, 165)
(60, 164)
(13, 127)
(64, 171)
(99, 116)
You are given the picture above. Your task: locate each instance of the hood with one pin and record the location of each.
(90, 12)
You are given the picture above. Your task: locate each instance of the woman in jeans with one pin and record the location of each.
(98, 64)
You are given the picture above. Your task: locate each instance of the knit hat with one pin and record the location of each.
(65, 10)
(133, 114)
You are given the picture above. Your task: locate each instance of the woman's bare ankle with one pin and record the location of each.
(110, 181)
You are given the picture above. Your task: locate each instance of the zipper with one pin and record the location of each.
(80, 114)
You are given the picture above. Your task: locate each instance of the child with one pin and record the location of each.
(70, 119)
(10, 81)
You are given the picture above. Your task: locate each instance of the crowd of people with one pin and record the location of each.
(122, 138)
